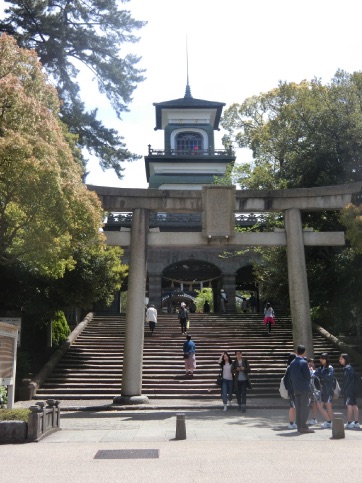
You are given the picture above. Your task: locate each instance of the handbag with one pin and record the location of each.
(219, 379)
(186, 355)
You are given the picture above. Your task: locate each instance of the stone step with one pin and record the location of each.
(92, 368)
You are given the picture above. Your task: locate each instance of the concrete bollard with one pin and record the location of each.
(180, 426)
(338, 426)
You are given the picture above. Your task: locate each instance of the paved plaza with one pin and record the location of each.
(139, 444)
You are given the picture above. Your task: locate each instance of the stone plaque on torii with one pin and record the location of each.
(218, 205)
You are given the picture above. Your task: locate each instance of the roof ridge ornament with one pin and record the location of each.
(188, 88)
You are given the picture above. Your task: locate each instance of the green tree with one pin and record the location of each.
(46, 211)
(301, 135)
(204, 295)
(97, 276)
(351, 217)
(69, 34)
(306, 135)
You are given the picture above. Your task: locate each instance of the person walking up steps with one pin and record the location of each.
(269, 317)
(189, 350)
(223, 300)
(183, 315)
(151, 317)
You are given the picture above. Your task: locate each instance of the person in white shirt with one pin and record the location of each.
(151, 317)
(223, 300)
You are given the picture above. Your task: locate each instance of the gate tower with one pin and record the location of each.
(188, 159)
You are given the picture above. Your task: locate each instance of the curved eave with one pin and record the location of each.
(188, 103)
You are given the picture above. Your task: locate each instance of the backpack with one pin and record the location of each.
(358, 384)
(182, 314)
(283, 390)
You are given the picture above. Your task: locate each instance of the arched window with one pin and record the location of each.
(189, 141)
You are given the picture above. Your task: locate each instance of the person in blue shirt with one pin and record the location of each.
(189, 350)
(299, 374)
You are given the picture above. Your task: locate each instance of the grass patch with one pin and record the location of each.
(14, 414)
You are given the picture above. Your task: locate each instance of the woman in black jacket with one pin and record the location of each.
(240, 370)
(349, 393)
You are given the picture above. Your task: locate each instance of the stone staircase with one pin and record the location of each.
(92, 367)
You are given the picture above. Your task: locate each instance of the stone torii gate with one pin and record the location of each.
(218, 204)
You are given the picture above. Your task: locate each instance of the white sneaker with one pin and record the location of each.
(229, 403)
(225, 407)
(326, 425)
(312, 421)
(292, 426)
(352, 425)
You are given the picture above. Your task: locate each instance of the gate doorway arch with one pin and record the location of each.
(245, 282)
(245, 279)
(181, 279)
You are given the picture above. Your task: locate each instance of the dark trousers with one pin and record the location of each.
(183, 325)
(241, 392)
(302, 409)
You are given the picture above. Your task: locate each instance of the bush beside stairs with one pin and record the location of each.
(92, 367)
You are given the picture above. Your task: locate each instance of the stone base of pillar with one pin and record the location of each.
(130, 400)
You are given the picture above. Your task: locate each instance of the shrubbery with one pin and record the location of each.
(3, 396)
(60, 328)
(14, 414)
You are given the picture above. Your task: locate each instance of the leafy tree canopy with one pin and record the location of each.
(70, 33)
(301, 135)
(46, 211)
(351, 217)
(97, 276)
(306, 135)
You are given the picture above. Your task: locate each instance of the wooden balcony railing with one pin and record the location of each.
(190, 152)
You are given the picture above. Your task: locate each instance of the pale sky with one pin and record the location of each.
(237, 48)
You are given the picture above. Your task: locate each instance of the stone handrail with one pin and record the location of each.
(355, 356)
(30, 386)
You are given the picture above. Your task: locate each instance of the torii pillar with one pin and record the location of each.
(298, 283)
(131, 392)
